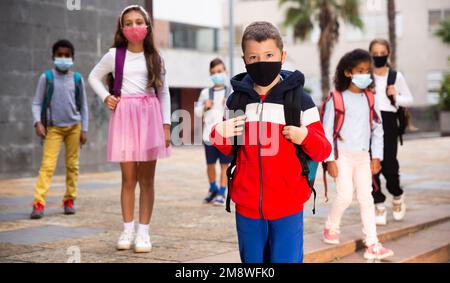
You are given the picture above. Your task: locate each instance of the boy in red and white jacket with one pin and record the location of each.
(268, 188)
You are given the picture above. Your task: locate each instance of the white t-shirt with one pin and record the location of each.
(215, 114)
(134, 78)
(403, 97)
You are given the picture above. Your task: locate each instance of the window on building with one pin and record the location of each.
(434, 81)
(193, 37)
(435, 17)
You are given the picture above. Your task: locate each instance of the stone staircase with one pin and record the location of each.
(423, 236)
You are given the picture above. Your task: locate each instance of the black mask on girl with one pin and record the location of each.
(380, 61)
(263, 73)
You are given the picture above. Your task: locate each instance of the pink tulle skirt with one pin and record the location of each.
(136, 131)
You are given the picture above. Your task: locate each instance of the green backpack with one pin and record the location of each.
(45, 108)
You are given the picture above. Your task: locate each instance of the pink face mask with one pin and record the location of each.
(135, 34)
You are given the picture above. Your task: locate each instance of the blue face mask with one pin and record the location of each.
(219, 78)
(361, 81)
(63, 63)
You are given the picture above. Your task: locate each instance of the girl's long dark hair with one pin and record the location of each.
(154, 61)
(349, 61)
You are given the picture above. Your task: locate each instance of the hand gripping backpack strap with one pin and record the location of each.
(238, 102)
(118, 72)
(292, 112)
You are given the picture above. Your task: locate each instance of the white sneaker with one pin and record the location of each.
(380, 214)
(399, 208)
(125, 240)
(142, 243)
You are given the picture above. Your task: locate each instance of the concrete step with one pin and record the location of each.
(352, 237)
(431, 245)
(315, 251)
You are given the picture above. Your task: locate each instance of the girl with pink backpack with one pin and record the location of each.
(353, 127)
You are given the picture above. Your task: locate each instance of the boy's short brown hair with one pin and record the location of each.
(261, 31)
(215, 62)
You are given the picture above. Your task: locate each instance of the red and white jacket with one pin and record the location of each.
(267, 181)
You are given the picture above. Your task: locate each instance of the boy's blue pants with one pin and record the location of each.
(270, 241)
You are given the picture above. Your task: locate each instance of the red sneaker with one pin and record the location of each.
(38, 211)
(377, 251)
(330, 237)
(68, 207)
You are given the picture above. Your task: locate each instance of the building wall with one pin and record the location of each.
(27, 32)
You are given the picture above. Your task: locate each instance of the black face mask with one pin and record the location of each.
(380, 61)
(263, 73)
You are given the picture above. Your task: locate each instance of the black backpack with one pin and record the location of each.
(292, 110)
(402, 113)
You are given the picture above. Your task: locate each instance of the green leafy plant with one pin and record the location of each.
(444, 94)
(444, 31)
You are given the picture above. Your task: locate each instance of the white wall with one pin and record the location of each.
(195, 12)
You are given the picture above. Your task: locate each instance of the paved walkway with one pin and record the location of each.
(182, 229)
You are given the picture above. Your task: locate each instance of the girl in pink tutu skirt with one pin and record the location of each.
(139, 127)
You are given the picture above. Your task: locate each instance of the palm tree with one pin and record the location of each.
(392, 32)
(301, 14)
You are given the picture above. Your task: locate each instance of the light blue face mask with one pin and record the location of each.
(219, 78)
(63, 63)
(362, 81)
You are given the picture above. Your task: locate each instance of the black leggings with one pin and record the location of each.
(389, 165)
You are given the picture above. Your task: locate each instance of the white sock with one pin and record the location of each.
(143, 229)
(128, 226)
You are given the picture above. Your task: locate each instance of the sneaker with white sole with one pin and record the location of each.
(125, 240)
(219, 200)
(398, 208)
(377, 251)
(142, 243)
(330, 237)
(380, 214)
(212, 193)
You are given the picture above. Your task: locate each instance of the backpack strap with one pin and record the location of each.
(373, 114)
(238, 101)
(228, 91)
(49, 77)
(339, 115)
(392, 77)
(292, 110)
(211, 93)
(77, 78)
(118, 72)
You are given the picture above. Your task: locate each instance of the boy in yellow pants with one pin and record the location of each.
(60, 114)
